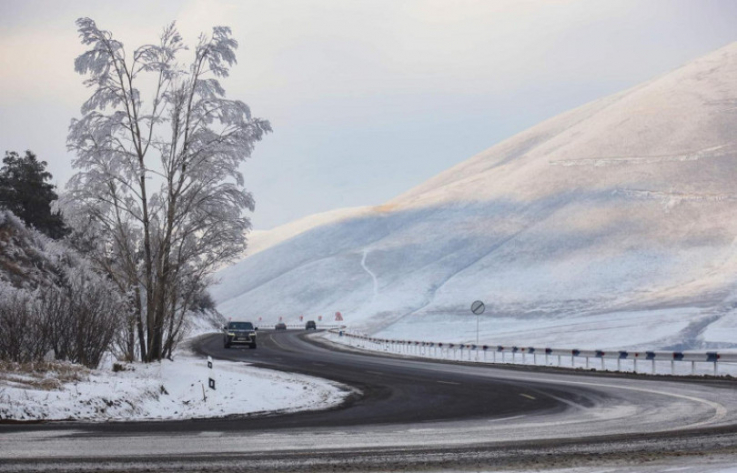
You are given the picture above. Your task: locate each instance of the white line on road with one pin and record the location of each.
(277, 343)
(507, 418)
(449, 382)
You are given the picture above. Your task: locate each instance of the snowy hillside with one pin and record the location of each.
(612, 225)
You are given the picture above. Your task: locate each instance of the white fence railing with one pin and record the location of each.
(301, 326)
(533, 355)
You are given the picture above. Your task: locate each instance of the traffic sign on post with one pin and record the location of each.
(477, 308)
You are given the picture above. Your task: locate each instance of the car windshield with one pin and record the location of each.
(240, 326)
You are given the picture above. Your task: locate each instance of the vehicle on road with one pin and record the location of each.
(243, 333)
(310, 325)
(280, 326)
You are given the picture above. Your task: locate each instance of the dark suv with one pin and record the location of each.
(239, 332)
(311, 325)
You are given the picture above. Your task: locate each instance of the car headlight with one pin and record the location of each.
(231, 334)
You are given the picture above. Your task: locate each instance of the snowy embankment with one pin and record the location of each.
(156, 391)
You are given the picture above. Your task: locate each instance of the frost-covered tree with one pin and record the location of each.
(159, 189)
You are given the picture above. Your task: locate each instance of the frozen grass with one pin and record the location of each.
(44, 376)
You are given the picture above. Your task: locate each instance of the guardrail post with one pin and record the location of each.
(587, 362)
(635, 363)
(573, 361)
(672, 367)
(653, 368)
(602, 364)
(534, 358)
(693, 368)
(619, 364)
(558, 360)
(714, 358)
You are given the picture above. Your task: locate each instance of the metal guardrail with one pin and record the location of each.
(301, 326)
(499, 353)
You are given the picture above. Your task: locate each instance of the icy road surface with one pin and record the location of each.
(589, 414)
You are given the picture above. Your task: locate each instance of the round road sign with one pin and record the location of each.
(478, 307)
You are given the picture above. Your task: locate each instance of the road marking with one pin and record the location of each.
(527, 396)
(720, 412)
(449, 382)
(277, 343)
(507, 418)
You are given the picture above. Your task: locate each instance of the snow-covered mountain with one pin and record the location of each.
(611, 225)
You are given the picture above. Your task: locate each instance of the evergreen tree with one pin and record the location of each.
(25, 192)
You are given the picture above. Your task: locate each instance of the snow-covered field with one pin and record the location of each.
(609, 226)
(167, 390)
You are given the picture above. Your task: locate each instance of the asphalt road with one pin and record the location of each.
(405, 414)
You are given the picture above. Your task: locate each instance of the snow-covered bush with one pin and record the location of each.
(24, 333)
(52, 299)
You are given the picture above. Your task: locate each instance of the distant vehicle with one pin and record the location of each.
(239, 333)
(311, 325)
(280, 326)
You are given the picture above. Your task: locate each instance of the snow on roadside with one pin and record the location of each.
(167, 390)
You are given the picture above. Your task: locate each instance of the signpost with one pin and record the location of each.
(477, 308)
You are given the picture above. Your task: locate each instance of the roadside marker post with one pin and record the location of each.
(211, 376)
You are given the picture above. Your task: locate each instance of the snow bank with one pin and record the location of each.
(166, 390)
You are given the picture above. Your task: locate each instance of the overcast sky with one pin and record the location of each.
(367, 98)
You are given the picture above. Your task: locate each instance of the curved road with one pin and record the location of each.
(405, 414)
